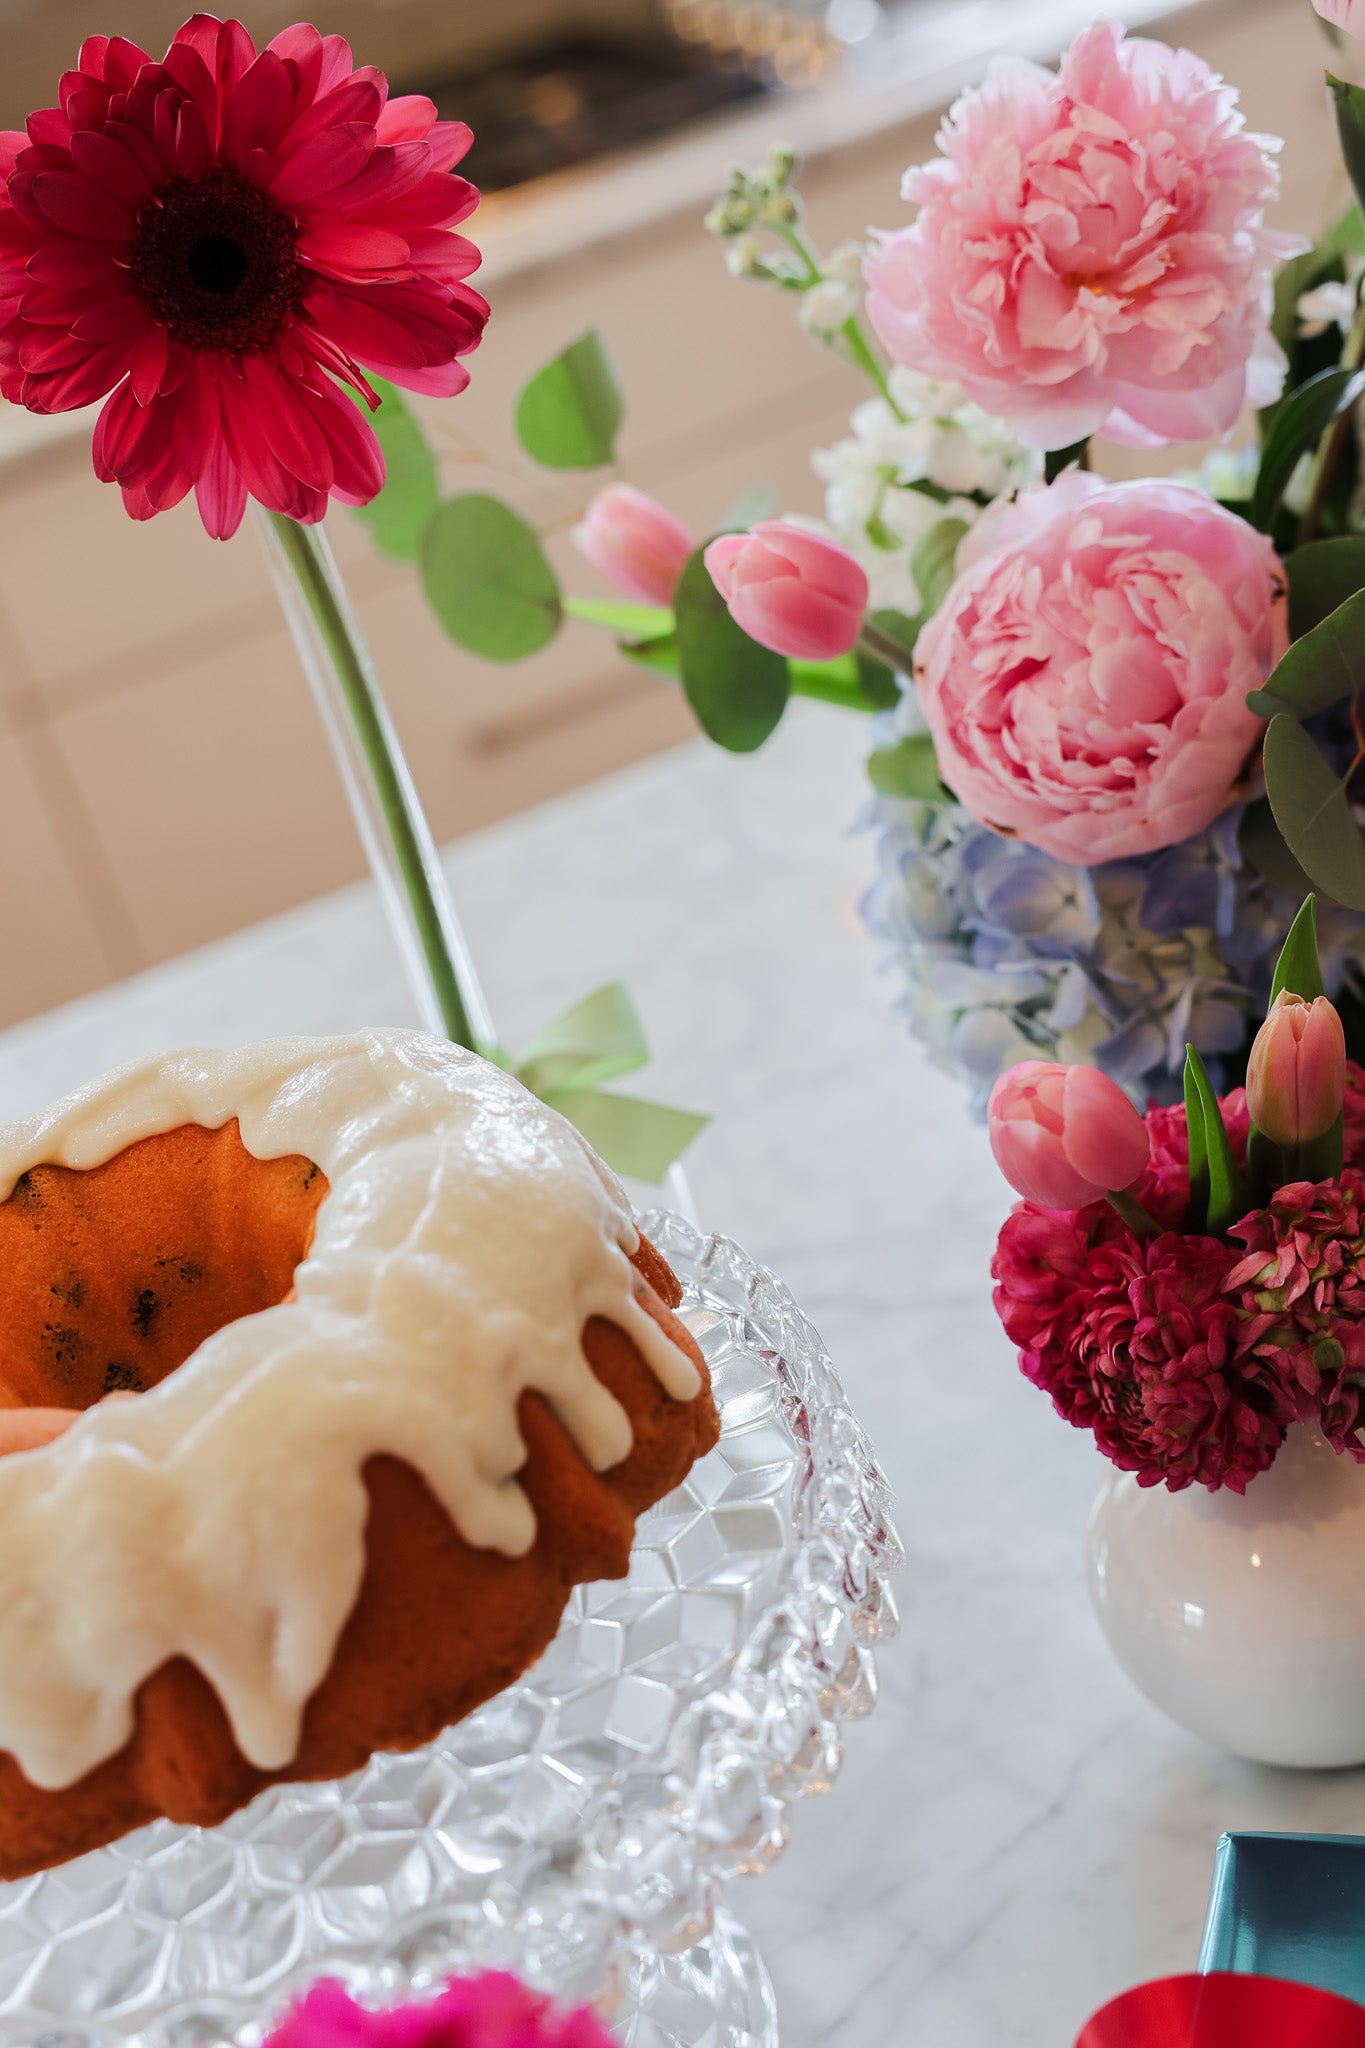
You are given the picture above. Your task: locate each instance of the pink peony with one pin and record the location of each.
(1086, 680)
(1090, 253)
(1348, 15)
(489, 2011)
(634, 542)
(1142, 1347)
(791, 590)
(1064, 1136)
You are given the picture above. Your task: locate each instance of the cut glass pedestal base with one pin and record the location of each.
(579, 1827)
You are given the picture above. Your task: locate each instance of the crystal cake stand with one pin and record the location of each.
(577, 1828)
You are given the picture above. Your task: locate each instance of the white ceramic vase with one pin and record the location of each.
(1243, 1617)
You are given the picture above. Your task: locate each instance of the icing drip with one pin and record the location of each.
(469, 1234)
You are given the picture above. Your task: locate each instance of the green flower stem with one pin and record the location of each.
(1333, 441)
(414, 856)
(884, 649)
(1133, 1213)
(860, 349)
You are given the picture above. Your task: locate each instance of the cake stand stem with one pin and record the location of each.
(384, 802)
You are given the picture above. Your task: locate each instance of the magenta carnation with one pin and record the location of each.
(1301, 1292)
(220, 240)
(1142, 1347)
(1086, 678)
(494, 2010)
(1091, 253)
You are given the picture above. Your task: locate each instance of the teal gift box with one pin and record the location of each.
(1289, 1906)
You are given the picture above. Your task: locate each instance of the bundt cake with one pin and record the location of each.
(327, 1369)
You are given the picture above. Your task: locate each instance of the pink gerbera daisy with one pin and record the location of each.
(219, 241)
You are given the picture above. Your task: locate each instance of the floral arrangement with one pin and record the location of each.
(1115, 733)
(244, 253)
(492, 2010)
(1187, 1284)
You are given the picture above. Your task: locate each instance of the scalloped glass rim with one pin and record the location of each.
(579, 1826)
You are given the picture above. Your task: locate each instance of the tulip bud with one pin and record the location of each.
(1348, 15)
(791, 590)
(635, 543)
(1296, 1076)
(1065, 1136)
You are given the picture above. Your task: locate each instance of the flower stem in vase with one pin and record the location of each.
(387, 810)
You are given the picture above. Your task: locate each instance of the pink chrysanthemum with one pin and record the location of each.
(1301, 1292)
(494, 2010)
(1141, 1346)
(221, 240)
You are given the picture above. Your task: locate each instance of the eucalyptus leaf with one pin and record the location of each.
(881, 691)
(1321, 577)
(1229, 1197)
(908, 767)
(1349, 103)
(901, 630)
(1312, 811)
(569, 413)
(1300, 424)
(932, 564)
(399, 516)
(1322, 668)
(849, 680)
(487, 579)
(1299, 968)
(759, 502)
(638, 1139)
(1262, 845)
(737, 688)
(660, 654)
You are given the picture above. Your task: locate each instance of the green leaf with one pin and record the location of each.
(487, 579)
(638, 1139)
(1300, 424)
(1321, 668)
(597, 1040)
(1058, 459)
(1229, 1198)
(1312, 811)
(1262, 844)
(900, 628)
(854, 681)
(661, 654)
(1298, 968)
(749, 507)
(569, 413)
(639, 621)
(908, 767)
(877, 682)
(398, 517)
(1199, 1152)
(1322, 576)
(737, 688)
(1350, 111)
(932, 563)
(1294, 279)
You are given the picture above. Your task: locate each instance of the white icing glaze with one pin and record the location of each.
(469, 1234)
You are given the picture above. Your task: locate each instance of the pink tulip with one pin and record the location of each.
(634, 542)
(1348, 15)
(794, 591)
(1065, 1136)
(1296, 1076)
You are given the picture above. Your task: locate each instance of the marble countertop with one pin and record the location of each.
(1016, 1835)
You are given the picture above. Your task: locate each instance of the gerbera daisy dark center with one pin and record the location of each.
(216, 263)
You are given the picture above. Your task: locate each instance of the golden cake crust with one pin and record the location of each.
(439, 1626)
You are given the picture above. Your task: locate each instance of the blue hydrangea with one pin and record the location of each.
(1009, 954)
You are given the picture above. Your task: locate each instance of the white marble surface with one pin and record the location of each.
(1016, 1834)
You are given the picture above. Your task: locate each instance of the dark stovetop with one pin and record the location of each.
(571, 101)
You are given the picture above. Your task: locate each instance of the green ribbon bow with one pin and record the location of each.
(598, 1040)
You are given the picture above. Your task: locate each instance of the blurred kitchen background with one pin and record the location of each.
(162, 778)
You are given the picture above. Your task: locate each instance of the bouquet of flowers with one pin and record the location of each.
(1116, 736)
(1187, 1284)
